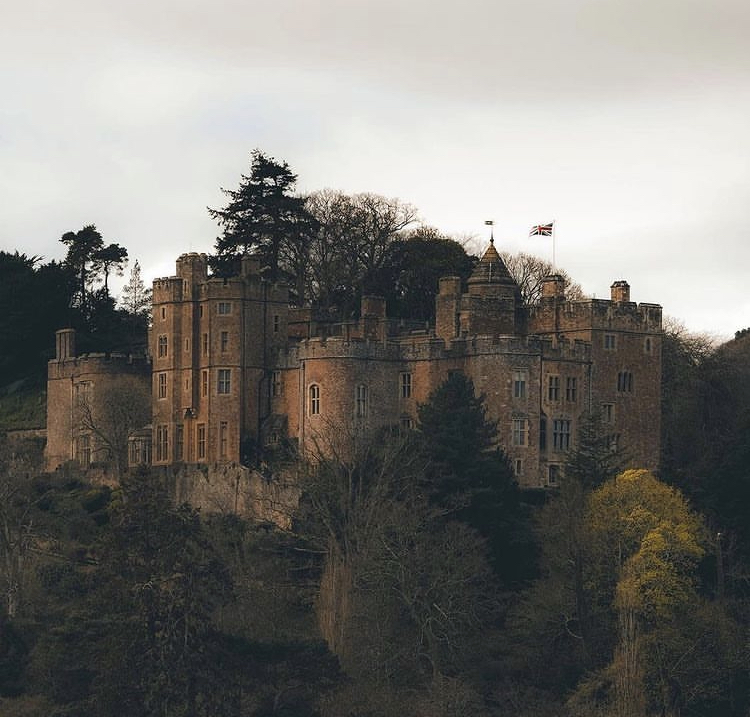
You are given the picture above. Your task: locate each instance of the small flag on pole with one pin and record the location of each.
(489, 222)
(542, 230)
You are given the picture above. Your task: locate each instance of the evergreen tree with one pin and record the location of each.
(412, 269)
(110, 258)
(595, 458)
(471, 479)
(263, 216)
(88, 258)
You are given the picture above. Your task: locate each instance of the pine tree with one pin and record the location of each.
(471, 479)
(263, 216)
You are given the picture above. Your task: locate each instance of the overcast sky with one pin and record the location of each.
(626, 121)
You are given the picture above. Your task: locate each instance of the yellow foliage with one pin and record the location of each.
(643, 533)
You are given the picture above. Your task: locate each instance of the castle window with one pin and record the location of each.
(625, 382)
(273, 439)
(204, 383)
(405, 384)
(179, 442)
(162, 387)
(608, 413)
(201, 441)
(520, 431)
(360, 401)
(83, 394)
(561, 434)
(518, 467)
(543, 433)
(224, 307)
(162, 349)
(200, 311)
(610, 342)
(570, 389)
(613, 442)
(224, 341)
(223, 384)
(314, 399)
(163, 313)
(83, 450)
(406, 423)
(553, 474)
(647, 345)
(519, 383)
(162, 443)
(187, 344)
(276, 323)
(223, 431)
(277, 387)
(553, 388)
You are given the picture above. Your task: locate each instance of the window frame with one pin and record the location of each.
(404, 384)
(361, 400)
(520, 380)
(520, 432)
(162, 443)
(553, 387)
(571, 389)
(161, 386)
(200, 441)
(561, 430)
(313, 397)
(223, 381)
(625, 381)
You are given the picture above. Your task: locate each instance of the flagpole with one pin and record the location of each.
(554, 265)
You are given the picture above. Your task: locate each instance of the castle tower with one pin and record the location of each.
(213, 339)
(490, 306)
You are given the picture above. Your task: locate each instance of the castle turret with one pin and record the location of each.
(553, 287)
(447, 307)
(490, 306)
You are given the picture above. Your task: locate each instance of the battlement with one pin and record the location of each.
(427, 348)
(551, 314)
(98, 363)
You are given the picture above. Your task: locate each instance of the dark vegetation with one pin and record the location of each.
(416, 578)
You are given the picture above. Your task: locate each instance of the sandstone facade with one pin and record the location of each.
(236, 371)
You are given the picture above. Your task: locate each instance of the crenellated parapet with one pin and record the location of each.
(594, 314)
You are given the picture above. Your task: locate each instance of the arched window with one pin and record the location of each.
(314, 399)
(360, 401)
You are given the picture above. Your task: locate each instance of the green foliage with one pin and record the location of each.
(263, 216)
(412, 269)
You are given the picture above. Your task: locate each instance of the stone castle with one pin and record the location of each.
(235, 369)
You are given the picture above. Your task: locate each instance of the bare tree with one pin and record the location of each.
(529, 272)
(17, 532)
(352, 242)
(136, 298)
(111, 414)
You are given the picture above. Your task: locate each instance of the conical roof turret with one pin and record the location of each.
(491, 269)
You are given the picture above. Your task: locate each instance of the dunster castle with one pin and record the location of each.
(232, 366)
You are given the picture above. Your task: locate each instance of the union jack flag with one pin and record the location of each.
(542, 230)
